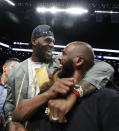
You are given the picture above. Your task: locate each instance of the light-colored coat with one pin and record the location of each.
(19, 77)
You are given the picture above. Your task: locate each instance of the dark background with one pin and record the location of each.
(100, 30)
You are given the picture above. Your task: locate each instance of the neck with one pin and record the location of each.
(78, 75)
(4, 79)
(34, 58)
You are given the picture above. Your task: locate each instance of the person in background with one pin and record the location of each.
(6, 68)
(27, 79)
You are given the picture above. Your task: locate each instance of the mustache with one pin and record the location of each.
(40, 52)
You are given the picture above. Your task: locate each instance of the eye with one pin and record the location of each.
(49, 40)
(63, 52)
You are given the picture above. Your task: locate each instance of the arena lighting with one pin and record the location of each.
(106, 12)
(76, 11)
(56, 10)
(10, 2)
(106, 50)
(107, 57)
(25, 50)
(4, 45)
(59, 46)
(111, 58)
(51, 10)
(20, 43)
(58, 53)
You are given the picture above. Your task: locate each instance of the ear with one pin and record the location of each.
(4, 68)
(34, 41)
(78, 61)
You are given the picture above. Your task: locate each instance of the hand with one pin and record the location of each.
(60, 107)
(15, 126)
(61, 86)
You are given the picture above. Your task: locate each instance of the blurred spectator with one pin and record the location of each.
(6, 68)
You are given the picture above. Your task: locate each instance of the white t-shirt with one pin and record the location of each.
(33, 89)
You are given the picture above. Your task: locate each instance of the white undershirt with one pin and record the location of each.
(33, 89)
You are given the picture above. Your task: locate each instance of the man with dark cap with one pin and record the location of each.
(27, 79)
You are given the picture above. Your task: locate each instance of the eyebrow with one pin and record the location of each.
(50, 39)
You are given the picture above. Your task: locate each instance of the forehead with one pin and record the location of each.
(12, 63)
(69, 48)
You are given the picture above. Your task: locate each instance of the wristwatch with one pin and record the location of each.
(77, 90)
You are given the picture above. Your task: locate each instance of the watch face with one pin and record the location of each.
(77, 86)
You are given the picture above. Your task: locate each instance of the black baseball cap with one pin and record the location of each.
(42, 30)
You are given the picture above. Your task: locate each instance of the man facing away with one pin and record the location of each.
(6, 68)
(27, 85)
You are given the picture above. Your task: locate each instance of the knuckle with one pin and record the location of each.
(50, 101)
(64, 92)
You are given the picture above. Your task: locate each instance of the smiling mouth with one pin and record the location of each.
(49, 52)
(61, 65)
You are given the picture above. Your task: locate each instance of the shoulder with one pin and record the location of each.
(18, 68)
(23, 63)
(102, 64)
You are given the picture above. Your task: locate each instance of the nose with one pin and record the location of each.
(60, 58)
(51, 44)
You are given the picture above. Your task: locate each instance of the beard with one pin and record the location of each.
(67, 70)
(40, 52)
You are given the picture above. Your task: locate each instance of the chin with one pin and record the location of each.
(49, 54)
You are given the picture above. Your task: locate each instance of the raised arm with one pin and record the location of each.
(26, 108)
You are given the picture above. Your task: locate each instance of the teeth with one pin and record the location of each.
(60, 64)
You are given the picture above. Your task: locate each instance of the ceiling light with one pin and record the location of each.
(51, 10)
(108, 12)
(56, 10)
(76, 11)
(10, 2)
(41, 9)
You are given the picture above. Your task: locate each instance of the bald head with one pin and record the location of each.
(82, 49)
(76, 59)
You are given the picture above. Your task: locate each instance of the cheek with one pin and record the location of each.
(8, 70)
(66, 58)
